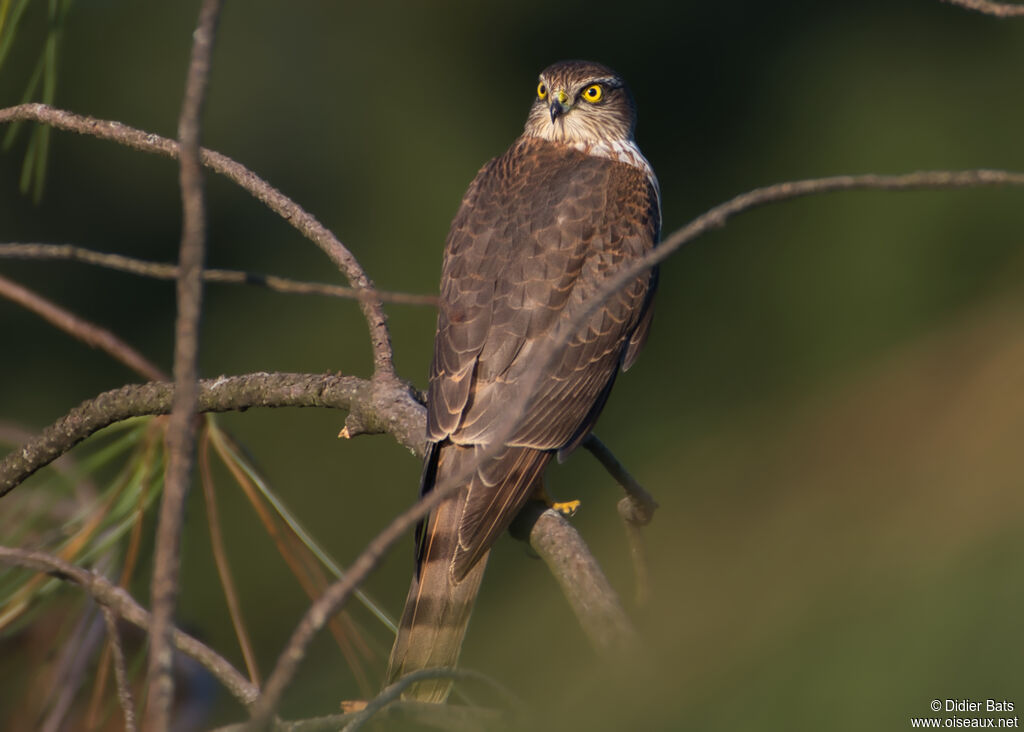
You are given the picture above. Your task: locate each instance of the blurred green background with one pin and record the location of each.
(830, 409)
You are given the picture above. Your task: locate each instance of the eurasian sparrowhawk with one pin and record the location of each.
(541, 229)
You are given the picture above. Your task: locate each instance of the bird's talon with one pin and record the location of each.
(566, 508)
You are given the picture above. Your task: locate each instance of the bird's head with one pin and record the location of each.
(581, 102)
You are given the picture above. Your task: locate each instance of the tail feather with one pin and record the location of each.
(437, 609)
(445, 585)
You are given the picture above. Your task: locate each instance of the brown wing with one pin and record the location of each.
(539, 232)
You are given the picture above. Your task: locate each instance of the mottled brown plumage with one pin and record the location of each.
(540, 230)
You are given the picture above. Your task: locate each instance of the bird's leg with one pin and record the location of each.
(566, 508)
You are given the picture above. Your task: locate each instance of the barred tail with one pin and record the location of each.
(437, 609)
(452, 554)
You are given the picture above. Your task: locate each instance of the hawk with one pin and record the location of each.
(540, 230)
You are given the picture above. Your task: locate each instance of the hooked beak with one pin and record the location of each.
(559, 104)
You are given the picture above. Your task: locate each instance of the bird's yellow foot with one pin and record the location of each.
(566, 508)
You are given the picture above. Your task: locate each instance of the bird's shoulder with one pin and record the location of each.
(538, 185)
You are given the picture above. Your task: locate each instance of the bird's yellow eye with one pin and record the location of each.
(593, 93)
(542, 90)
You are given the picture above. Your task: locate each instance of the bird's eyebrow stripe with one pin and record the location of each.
(612, 82)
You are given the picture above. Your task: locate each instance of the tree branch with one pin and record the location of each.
(109, 595)
(636, 509)
(161, 271)
(124, 692)
(999, 10)
(89, 333)
(395, 411)
(276, 201)
(181, 427)
(641, 504)
(584, 584)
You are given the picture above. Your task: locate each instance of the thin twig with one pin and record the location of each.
(124, 606)
(999, 10)
(636, 509)
(397, 412)
(181, 427)
(124, 692)
(162, 271)
(642, 502)
(394, 692)
(89, 333)
(276, 201)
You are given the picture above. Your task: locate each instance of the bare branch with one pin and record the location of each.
(999, 10)
(276, 201)
(181, 427)
(89, 333)
(636, 509)
(584, 584)
(109, 595)
(161, 271)
(642, 504)
(395, 411)
(124, 692)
